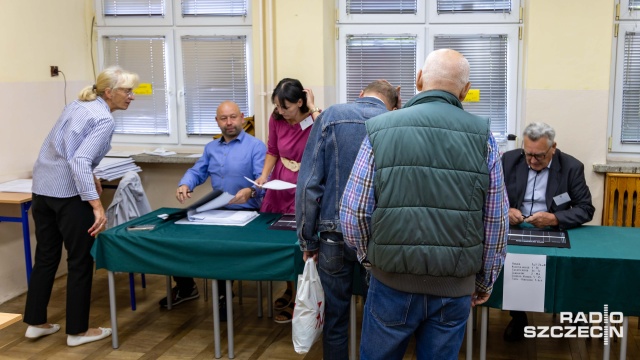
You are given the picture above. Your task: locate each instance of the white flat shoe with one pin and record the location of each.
(75, 340)
(34, 332)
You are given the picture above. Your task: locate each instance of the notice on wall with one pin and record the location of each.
(472, 96)
(524, 282)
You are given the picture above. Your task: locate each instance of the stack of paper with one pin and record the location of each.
(18, 185)
(220, 217)
(111, 168)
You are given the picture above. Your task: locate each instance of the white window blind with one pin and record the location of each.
(630, 132)
(381, 6)
(372, 57)
(214, 8)
(144, 55)
(155, 8)
(487, 56)
(215, 70)
(474, 6)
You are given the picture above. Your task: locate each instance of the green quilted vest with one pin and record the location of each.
(430, 185)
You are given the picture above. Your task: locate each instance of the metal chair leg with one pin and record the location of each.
(205, 286)
(132, 291)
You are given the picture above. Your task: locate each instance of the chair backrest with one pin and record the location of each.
(249, 127)
(621, 200)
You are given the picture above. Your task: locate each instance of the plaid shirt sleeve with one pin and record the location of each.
(496, 222)
(358, 202)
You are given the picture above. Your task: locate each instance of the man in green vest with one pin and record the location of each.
(426, 209)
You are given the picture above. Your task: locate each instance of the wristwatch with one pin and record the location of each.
(316, 109)
(253, 192)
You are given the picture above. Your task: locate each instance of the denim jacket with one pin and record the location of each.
(328, 157)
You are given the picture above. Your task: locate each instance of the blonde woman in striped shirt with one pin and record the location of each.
(66, 204)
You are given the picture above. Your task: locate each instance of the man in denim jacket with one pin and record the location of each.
(326, 164)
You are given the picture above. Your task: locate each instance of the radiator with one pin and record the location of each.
(621, 200)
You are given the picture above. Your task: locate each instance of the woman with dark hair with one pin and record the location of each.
(289, 128)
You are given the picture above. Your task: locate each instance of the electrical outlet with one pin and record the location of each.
(54, 71)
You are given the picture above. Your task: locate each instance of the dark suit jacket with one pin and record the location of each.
(566, 175)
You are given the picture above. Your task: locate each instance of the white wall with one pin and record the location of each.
(35, 34)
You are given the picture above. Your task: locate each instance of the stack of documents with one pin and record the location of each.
(18, 186)
(112, 168)
(220, 217)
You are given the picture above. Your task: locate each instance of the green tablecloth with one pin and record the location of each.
(601, 267)
(251, 252)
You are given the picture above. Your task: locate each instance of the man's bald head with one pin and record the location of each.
(447, 70)
(227, 106)
(230, 120)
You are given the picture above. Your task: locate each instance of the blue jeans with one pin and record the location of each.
(336, 262)
(392, 317)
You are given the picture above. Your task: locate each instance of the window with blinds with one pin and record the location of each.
(214, 8)
(372, 57)
(473, 6)
(487, 56)
(153, 8)
(381, 6)
(630, 132)
(144, 55)
(215, 70)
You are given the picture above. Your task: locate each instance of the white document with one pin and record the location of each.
(194, 155)
(159, 152)
(216, 203)
(17, 186)
(524, 281)
(124, 154)
(220, 217)
(274, 184)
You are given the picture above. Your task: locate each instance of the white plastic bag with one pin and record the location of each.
(308, 313)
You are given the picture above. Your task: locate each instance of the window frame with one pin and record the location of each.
(513, 56)
(143, 21)
(345, 18)
(207, 20)
(346, 30)
(172, 31)
(465, 23)
(184, 138)
(615, 113)
(167, 33)
(473, 18)
(625, 14)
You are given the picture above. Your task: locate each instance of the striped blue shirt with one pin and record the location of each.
(75, 146)
(358, 204)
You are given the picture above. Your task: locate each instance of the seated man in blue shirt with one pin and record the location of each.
(226, 161)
